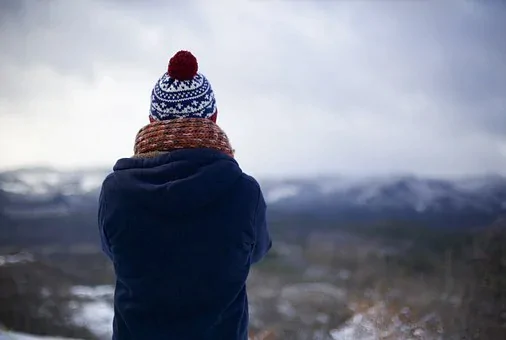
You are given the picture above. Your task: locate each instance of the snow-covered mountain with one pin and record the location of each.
(405, 192)
(36, 191)
(47, 181)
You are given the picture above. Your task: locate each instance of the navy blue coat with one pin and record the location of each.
(182, 230)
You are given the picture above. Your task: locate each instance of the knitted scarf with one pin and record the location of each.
(184, 133)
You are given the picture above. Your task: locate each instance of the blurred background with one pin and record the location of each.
(376, 129)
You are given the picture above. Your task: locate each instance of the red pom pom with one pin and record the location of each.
(183, 66)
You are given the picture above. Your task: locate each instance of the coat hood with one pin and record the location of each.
(177, 182)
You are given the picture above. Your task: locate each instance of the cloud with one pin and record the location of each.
(302, 87)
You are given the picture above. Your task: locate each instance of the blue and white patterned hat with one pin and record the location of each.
(182, 92)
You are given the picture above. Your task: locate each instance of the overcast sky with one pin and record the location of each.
(303, 87)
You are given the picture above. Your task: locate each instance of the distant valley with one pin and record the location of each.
(40, 205)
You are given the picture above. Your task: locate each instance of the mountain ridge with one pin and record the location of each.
(35, 193)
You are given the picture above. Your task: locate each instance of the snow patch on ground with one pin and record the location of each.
(97, 316)
(15, 258)
(378, 322)
(96, 292)
(94, 310)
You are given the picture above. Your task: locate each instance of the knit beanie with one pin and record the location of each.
(182, 92)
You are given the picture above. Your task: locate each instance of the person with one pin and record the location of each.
(180, 220)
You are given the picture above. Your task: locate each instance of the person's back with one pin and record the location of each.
(181, 222)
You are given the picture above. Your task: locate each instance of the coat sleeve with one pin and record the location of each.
(263, 242)
(102, 211)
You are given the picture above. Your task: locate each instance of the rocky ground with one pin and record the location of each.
(327, 287)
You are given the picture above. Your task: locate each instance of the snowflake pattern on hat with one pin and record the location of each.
(190, 97)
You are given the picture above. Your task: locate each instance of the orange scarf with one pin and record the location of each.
(184, 133)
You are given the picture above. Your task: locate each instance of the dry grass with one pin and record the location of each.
(455, 292)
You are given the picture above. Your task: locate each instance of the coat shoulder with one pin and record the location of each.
(250, 181)
(251, 185)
